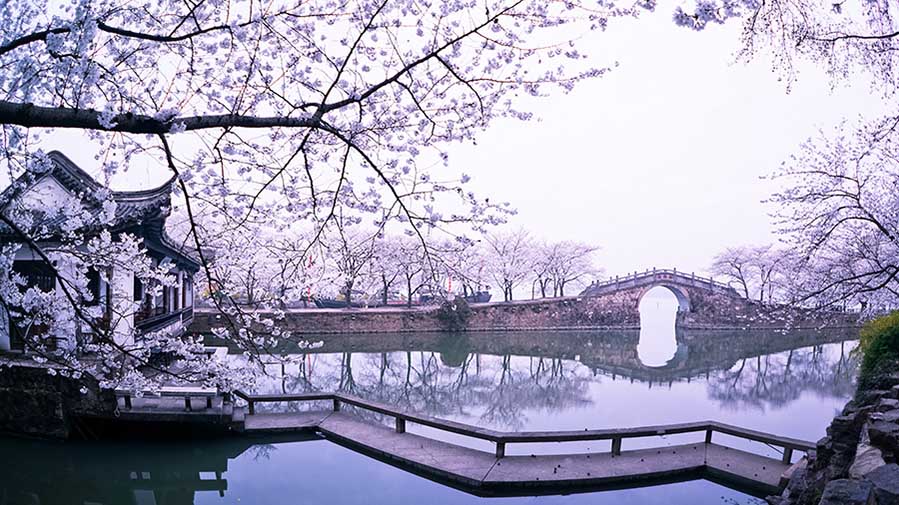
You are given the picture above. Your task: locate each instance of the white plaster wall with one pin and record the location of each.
(190, 291)
(123, 306)
(47, 194)
(65, 323)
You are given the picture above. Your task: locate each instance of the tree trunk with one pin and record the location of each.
(349, 294)
(408, 292)
(384, 294)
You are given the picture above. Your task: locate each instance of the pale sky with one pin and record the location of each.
(658, 162)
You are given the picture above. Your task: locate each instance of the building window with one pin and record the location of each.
(93, 286)
(21, 324)
(36, 273)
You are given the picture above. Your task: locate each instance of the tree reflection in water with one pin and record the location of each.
(775, 380)
(504, 381)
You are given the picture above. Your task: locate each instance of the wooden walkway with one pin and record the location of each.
(495, 474)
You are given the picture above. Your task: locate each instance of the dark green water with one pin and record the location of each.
(309, 472)
(786, 384)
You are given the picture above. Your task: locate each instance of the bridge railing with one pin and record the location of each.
(501, 438)
(617, 280)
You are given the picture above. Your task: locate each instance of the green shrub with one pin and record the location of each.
(880, 348)
(454, 314)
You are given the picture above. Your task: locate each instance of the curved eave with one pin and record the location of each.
(162, 191)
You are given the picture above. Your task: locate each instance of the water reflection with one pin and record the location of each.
(658, 317)
(790, 384)
(264, 472)
(113, 473)
(577, 380)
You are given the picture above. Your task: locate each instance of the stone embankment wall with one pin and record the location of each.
(856, 463)
(38, 403)
(614, 311)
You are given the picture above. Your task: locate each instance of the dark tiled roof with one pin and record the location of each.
(142, 212)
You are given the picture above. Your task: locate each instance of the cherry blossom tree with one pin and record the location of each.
(758, 271)
(557, 264)
(414, 266)
(351, 250)
(839, 202)
(273, 113)
(385, 264)
(509, 257)
(569, 262)
(843, 36)
(734, 265)
(841, 208)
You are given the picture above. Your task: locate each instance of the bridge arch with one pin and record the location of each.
(683, 298)
(659, 307)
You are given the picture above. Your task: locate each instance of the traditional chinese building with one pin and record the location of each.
(127, 307)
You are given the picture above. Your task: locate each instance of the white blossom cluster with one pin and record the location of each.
(324, 115)
(841, 210)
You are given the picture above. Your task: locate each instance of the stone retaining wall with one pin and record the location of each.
(38, 403)
(614, 311)
(856, 463)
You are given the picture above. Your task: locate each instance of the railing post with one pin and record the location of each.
(400, 425)
(708, 436)
(500, 449)
(616, 446)
(187, 402)
(788, 455)
(251, 407)
(336, 404)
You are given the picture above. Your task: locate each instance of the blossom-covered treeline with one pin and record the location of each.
(267, 114)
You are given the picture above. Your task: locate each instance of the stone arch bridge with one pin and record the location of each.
(684, 286)
(702, 302)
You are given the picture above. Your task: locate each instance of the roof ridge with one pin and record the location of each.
(165, 187)
(63, 162)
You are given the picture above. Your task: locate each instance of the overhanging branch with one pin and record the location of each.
(35, 116)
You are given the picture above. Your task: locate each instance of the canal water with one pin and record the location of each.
(788, 383)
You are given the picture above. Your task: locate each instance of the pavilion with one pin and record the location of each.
(127, 308)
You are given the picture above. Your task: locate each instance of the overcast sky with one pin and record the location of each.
(658, 162)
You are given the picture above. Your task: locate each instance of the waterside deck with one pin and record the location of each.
(495, 473)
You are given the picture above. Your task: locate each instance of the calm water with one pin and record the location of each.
(789, 384)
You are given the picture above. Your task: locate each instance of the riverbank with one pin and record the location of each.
(58, 409)
(783, 384)
(40, 401)
(611, 312)
(856, 463)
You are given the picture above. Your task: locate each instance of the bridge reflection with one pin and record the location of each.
(503, 375)
(500, 377)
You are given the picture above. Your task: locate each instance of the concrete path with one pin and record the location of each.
(482, 473)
